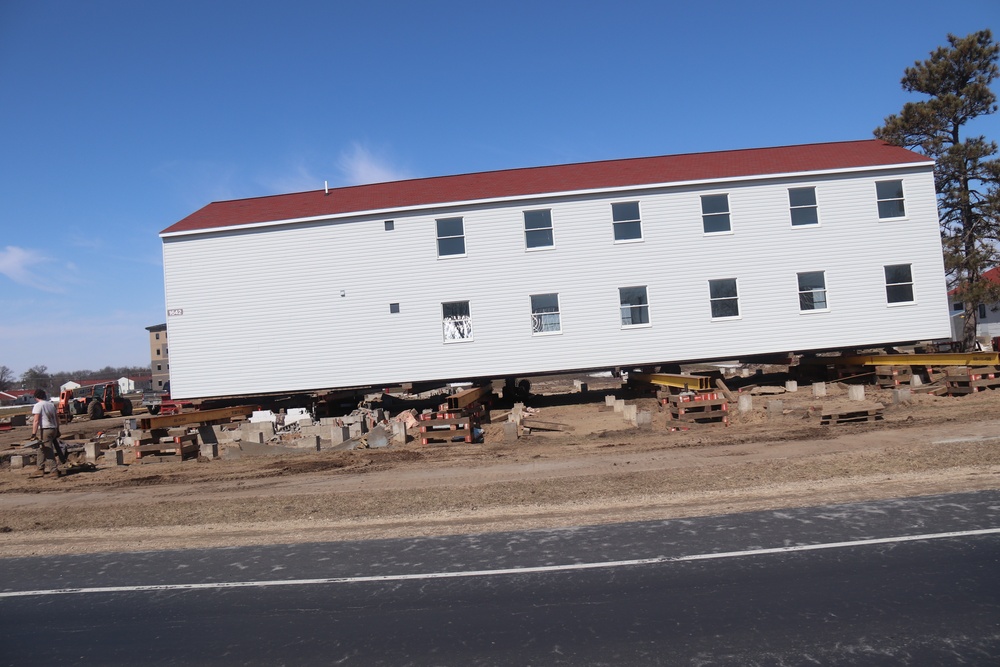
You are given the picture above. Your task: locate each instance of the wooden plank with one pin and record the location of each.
(196, 417)
(469, 396)
(546, 426)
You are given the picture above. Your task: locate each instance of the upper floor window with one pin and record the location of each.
(450, 237)
(545, 314)
(812, 290)
(715, 213)
(890, 199)
(898, 283)
(802, 202)
(456, 321)
(538, 229)
(157, 336)
(724, 298)
(626, 221)
(634, 306)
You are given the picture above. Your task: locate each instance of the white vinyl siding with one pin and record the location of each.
(250, 334)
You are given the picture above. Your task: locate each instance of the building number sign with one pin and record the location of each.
(171, 312)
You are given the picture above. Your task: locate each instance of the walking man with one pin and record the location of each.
(45, 427)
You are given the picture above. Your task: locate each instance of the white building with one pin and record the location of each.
(582, 266)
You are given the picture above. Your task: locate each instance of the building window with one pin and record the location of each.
(157, 351)
(802, 202)
(393, 307)
(157, 336)
(715, 214)
(545, 314)
(890, 199)
(898, 283)
(159, 383)
(538, 229)
(982, 312)
(634, 306)
(390, 225)
(456, 321)
(812, 291)
(724, 298)
(958, 306)
(450, 237)
(159, 367)
(626, 221)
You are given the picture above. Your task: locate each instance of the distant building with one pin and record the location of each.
(988, 315)
(159, 359)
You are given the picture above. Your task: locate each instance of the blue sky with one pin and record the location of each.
(121, 117)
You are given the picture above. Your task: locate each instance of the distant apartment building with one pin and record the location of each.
(159, 359)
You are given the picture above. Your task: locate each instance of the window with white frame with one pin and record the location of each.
(898, 283)
(456, 321)
(715, 214)
(545, 314)
(538, 229)
(812, 290)
(627, 224)
(802, 203)
(890, 199)
(450, 237)
(724, 297)
(634, 306)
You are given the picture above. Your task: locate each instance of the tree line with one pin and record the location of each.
(39, 376)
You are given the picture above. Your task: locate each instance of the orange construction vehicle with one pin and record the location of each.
(94, 401)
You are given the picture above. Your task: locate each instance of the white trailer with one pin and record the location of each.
(541, 270)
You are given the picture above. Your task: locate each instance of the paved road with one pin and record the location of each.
(764, 588)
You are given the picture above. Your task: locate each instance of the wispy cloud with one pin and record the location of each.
(22, 265)
(358, 165)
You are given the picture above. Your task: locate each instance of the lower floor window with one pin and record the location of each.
(812, 290)
(634, 305)
(724, 298)
(545, 313)
(456, 321)
(898, 283)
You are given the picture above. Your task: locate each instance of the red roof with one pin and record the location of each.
(541, 180)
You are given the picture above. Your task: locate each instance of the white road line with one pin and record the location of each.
(500, 572)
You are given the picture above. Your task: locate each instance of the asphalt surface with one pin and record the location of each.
(762, 588)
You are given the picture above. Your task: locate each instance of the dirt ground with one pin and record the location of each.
(604, 470)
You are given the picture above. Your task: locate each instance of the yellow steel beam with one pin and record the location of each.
(196, 417)
(933, 359)
(689, 382)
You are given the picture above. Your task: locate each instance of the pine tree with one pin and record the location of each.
(956, 79)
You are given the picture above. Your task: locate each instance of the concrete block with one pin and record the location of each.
(791, 385)
(209, 450)
(745, 403)
(510, 432)
(399, 435)
(356, 429)
(644, 419)
(819, 389)
(900, 396)
(915, 381)
(254, 436)
(339, 434)
(91, 450)
(629, 412)
(311, 430)
(18, 461)
(856, 392)
(620, 405)
(775, 409)
(378, 438)
(609, 400)
(579, 386)
(115, 457)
